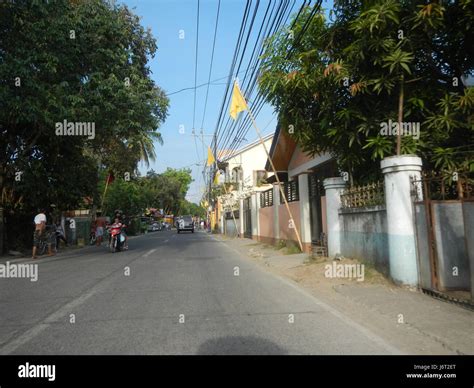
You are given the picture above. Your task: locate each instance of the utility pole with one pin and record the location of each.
(215, 172)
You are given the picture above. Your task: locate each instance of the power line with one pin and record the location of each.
(196, 63)
(238, 129)
(236, 51)
(212, 59)
(225, 102)
(231, 126)
(259, 100)
(195, 79)
(204, 84)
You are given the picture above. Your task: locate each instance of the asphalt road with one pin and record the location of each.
(169, 294)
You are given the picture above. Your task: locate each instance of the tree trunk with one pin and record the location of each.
(400, 117)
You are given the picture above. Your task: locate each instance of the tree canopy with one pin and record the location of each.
(83, 62)
(377, 62)
(165, 191)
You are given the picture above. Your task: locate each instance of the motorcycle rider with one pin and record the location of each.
(119, 214)
(118, 225)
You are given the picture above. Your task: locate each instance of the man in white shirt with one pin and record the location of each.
(40, 233)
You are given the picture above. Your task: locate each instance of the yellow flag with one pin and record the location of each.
(210, 157)
(237, 104)
(216, 178)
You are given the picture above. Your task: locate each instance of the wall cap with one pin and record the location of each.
(401, 163)
(366, 209)
(334, 183)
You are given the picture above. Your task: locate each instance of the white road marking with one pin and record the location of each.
(149, 253)
(54, 317)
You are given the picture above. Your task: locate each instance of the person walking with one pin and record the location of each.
(60, 235)
(99, 230)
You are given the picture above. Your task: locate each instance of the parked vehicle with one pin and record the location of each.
(154, 227)
(185, 223)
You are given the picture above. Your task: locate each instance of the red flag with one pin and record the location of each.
(110, 178)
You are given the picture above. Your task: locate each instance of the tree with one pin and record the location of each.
(192, 209)
(82, 61)
(165, 191)
(377, 62)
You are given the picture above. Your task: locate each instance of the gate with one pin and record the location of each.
(316, 192)
(444, 224)
(231, 223)
(247, 218)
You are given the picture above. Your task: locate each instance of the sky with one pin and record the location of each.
(173, 69)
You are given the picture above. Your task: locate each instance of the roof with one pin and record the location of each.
(281, 150)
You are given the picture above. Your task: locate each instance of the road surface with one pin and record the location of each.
(169, 294)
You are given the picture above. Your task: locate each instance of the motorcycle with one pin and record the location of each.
(117, 238)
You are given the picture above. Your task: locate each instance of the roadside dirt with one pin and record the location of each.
(411, 321)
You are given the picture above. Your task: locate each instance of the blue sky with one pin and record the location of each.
(173, 69)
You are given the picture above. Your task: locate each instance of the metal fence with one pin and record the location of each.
(363, 196)
(444, 221)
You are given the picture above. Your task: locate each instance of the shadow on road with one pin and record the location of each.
(240, 346)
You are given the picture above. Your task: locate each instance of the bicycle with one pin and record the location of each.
(49, 238)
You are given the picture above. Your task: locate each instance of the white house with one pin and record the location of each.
(244, 171)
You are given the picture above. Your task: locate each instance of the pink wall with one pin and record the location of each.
(266, 221)
(286, 233)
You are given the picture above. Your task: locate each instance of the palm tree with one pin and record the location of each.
(142, 145)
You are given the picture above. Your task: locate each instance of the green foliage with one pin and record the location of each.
(79, 80)
(165, 191)
(344, 79)
(192, 209)
(80, 61)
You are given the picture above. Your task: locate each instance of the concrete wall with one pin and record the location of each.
(287, 233)
(267, 230)
(266, 222)
(364, 236)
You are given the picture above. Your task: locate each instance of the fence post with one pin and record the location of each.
(334, 188)
(397, 171)
(255, 212)
(305, 217)
(276, 216)
(241, 218)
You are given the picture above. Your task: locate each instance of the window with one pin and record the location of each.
(237, 174)
(291, 191)
(266, 198)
